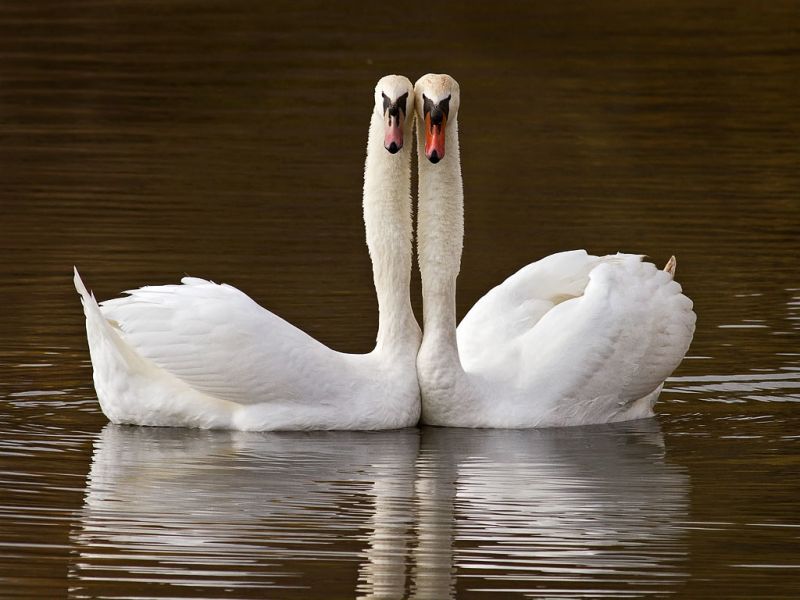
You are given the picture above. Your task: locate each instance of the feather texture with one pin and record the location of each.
(572, 339)
(205, 355)
(593, 343)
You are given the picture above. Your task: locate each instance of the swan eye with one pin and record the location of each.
(401, 103)
(444, 105)
(436, 110)
(394, 107)
(427, 104)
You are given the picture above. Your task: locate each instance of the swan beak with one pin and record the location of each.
(393, 140)
(434, 138)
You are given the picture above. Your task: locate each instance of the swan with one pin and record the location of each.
(572, 339)
(207, 356)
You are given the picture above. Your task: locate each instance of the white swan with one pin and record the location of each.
(206, 355)
(572, 339)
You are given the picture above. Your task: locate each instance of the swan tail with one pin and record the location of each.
(671, 266)
(97, 326)
(112, 359)
(657, 329)
(76, 279)
(90, 306)
(131, 389)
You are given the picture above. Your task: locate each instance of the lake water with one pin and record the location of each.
(145, 140)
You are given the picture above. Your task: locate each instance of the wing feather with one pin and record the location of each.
(219, 341)
(489, 331)
(612, 346)
(584, 337)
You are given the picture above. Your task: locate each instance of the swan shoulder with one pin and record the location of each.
(219, 341)
(596, 355)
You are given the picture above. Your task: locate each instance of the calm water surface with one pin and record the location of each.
(145, 140)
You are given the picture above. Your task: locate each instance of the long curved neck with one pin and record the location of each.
(387, 219)
(440, 235)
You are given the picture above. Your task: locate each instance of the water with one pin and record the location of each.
(142, 141)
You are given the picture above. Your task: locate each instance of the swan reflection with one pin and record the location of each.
(211, 511)
(391, 514)
(549, 511)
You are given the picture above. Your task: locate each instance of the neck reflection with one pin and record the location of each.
(205, 511)
(548, 511)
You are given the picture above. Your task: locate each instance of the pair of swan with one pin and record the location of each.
(572, 339)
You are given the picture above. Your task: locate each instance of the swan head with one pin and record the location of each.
(394, 104)
(437, 98)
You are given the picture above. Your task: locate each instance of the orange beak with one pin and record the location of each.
(434, 139)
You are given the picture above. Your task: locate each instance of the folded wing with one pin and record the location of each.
(491, 329)
(219, 341)
(582, 337)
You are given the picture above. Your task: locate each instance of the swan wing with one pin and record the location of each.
(490, 329)
(579, 339)
(592, 358)
(220, 342)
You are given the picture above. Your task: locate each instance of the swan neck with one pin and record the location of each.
(448, 391)
(388, 224)
(440, 237)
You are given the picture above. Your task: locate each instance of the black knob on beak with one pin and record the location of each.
(393, 148)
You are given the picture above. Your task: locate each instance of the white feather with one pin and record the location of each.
(572, 339)
(206, 355)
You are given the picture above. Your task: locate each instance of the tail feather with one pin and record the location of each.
(90, 306)
(98, 326)
(133, 389)
(671, 266)
(76, 279)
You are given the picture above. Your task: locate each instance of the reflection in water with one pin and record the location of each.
(209, 510)
(548, 511)
(553, 511)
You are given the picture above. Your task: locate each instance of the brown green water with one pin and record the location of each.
(145, 140)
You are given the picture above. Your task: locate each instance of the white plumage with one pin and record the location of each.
(572, 339)
(206, 355)
(598, 336)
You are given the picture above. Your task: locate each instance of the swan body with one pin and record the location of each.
(572, 339)
(206, 355)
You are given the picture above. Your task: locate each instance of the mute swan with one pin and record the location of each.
(572, 339)
(206, 355)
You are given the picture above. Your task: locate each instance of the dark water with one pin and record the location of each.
(145, 140)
